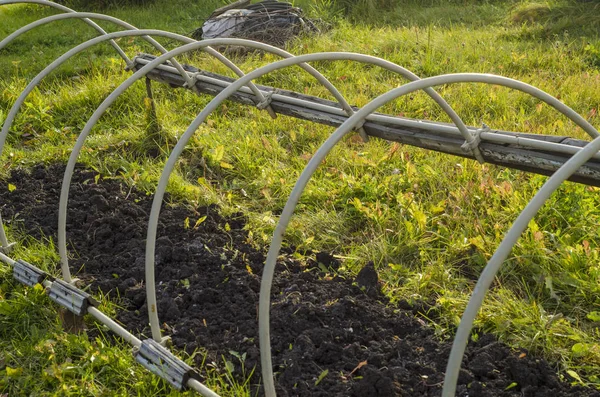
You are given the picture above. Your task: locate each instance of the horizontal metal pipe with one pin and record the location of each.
(200, 388)
(523, 142)
(492, 137)
(407, 74)
(318, 106)
(6, 259)
(114, 327)
(103, 318)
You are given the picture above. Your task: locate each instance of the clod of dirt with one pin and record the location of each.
(327, 260)
(377, 383)
(368, 278)
(208, 286)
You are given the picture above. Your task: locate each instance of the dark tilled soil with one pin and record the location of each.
(330, 337)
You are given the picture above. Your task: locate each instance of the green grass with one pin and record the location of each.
(429, 221)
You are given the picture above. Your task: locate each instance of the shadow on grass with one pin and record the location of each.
(537, 19)
(546, 20)
(412, 13)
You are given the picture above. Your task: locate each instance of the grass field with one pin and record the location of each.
(428, 221)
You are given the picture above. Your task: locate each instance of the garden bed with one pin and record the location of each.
(331, 335)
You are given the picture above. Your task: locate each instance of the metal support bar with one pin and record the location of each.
(153, 127)
(499, 147)
(71, 298)
(161, 362)
(28, 274)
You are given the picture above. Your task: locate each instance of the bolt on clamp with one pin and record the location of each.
(131, 64)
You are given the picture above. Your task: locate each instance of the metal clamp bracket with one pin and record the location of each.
(473, 145)
(71, 298)
(161, 362)
(191, 82)
(28, 274)
(265, 103)
(131, 64)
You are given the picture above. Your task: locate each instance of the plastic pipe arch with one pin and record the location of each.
(495, 262)
(67, 9)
